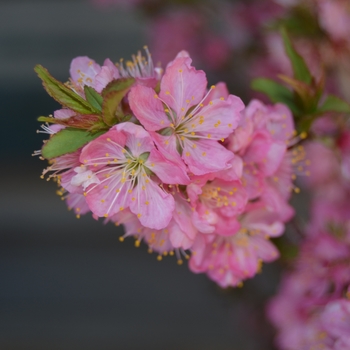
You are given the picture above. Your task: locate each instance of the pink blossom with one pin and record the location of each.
(124, 160)
(229, 259)
(180, 124)
(85, 71)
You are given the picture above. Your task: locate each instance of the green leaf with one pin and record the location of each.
(303, 91)
(113, 94)
(275, 91)
(62, 94)
(93, 97)
(118, 85)
(67, 141)
(111, 109)
(300, 69)
(334, 104)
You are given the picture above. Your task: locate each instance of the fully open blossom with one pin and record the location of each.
(129, 170)
(180, 124)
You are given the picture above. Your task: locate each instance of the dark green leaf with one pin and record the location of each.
(93, 97)
(275, 91)
(111, 109)
(118, 85)
(300, 69)
(334, 104)
(67, 141)
(62, 94)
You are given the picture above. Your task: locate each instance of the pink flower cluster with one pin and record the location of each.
(192, 171)
(312, 309)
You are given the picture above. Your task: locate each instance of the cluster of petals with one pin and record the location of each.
(193, 173)
(312, 308)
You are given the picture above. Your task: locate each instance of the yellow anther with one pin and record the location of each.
(108, 139)
(194, 146)
(180, 70)
(107, 154)
(137, 243)
(297, 190)
(208, 136)
(230, 125)
(139, 215)
(212, 87)
(204, 154)
(133, 199)
(121, 239)
(159, 257)
(303, 135)
(105, 215)
(121, 208)
(188, 154)
(102, 200)
(167, 92)
(147, 202)
(179, 262)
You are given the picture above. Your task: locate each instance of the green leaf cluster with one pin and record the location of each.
(302, 93)
(94, 115)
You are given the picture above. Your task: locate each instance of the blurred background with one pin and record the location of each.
(68, 283)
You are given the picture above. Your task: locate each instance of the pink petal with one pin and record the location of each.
(183, 217)
(152, 205)
(168, 172)
(103, 148)
(147, 108)
(182, 86)
(138, 140)
(112, 67)
(109, 197)
(167, 146)
(83, 70)
(219, 117)
(208, 156)
(178, 238)
(104, 77)
(64, 113)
